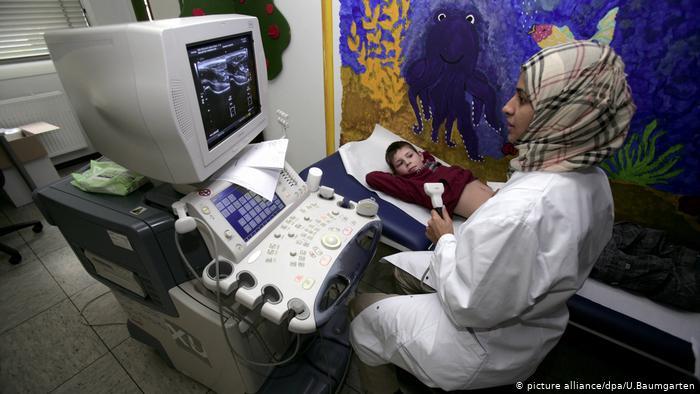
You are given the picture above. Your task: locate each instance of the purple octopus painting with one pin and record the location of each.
(445, 83)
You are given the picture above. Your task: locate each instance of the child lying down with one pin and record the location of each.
(411, 169)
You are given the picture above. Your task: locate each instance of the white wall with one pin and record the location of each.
(298, 89)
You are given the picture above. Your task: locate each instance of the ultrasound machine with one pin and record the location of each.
(241, 293)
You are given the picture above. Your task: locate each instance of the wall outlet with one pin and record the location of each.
(282, 118)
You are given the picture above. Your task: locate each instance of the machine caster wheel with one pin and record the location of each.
(37, 227)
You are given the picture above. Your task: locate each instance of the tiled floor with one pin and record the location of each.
(63, 331)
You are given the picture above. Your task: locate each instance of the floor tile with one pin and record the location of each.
(65, 267)
(99, 306)
(104, 376)
(47, 241)
(47, 350)
(25, 291)
(150, 371)
(24, 213)
(14, 240)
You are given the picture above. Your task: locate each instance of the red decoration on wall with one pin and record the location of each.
(274, 28)
(273, 32)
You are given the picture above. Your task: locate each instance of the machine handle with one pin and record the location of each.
(349, 270)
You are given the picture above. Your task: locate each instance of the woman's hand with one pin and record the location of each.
(438, 226)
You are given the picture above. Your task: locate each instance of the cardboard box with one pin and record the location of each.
(33, 156)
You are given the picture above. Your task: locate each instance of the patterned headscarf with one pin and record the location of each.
(582, 104)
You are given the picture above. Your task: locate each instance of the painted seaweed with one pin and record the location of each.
(375, 39)
(636, 161)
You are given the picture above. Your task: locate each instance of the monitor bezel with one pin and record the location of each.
(197, 33)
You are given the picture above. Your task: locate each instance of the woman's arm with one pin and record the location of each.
(489, 277)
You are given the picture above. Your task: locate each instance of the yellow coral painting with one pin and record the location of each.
(376, 41)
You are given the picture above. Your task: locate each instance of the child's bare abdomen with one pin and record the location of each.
(473, 195)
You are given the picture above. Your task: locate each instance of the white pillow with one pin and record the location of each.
(362, 157)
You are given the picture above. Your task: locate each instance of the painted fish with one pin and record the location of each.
(547, 35)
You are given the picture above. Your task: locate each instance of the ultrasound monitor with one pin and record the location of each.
(174, 99)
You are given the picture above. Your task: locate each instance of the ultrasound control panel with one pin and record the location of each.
(284, 256)
(239, 218)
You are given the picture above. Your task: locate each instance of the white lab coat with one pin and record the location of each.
(501, 284)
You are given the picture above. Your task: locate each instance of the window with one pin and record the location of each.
(23, 23)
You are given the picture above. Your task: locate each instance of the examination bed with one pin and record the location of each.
(669, 336)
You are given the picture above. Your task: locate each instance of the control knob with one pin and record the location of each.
(367, 207)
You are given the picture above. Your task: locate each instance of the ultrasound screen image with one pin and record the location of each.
(226, 84)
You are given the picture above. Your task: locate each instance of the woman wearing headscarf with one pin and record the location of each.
(497, 288)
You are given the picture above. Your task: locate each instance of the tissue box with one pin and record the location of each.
(32, 154)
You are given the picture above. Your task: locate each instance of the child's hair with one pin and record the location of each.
(391, 151)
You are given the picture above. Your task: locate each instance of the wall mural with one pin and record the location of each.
(450, 103)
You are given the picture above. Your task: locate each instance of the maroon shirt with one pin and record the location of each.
(409, 187)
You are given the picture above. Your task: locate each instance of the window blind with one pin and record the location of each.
(23, 23)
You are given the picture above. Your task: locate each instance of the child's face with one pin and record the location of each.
(407, 161)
